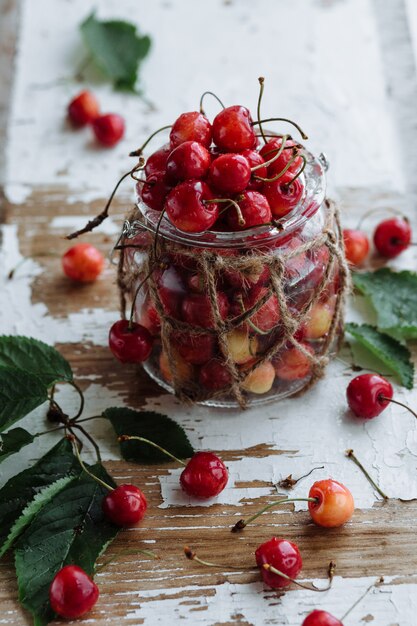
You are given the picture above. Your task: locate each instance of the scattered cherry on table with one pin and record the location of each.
(334, 504)
(284, 556)
(321, 618)
(392, 236)
(109, 129)
(125, 505)
(204, 476)
(368, 395)
(356, 246)
(72, 592)
(130, 342)
(83, 263)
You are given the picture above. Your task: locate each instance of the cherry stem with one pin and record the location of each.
(123, 438)
(300, 171)
(191, 555)
(240, 525)
(289, 482)
(87, 471)
(350, 454)
(125, 553)
(93, 417)
(276, 155)
(13, 271)
(249, 321)
(379, 211)
(96, 221)
(139, 151)
(158, 226)
(283, 171)
(209, 93)
(82, 401)
(261, 80)
(399, 404)
(380, 581)
(281, 119)
(240, 217)
(331, 570)
(91, 440)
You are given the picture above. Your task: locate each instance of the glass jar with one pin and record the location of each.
(239, 318)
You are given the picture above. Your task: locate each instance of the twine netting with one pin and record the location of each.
(210, 265)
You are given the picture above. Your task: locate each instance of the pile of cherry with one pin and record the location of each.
(213, 176)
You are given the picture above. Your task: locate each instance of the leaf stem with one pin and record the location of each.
(240, 525)
(351, 455)
(123, 438)
(91, 440)
(82, 400)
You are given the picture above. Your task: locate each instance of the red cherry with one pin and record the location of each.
(109, 129)
(233, 131)
(196, 309)
(255, 211)
(392, 237)
(194, 349)
(83, 263)
(270, 149)
(187, 209)
(72, 592)
(130, 344)
(366, 395)
(83, 109)
(356, 246)
(191, 126)
(321, 618)
(156, 162)
(150, 318)
(254, 159)
(125, 505)
(283, 198)
(154, 191)
(188, 160)
(204, 476)
(230, 173)
(292, 364)
(284, 556)
(335, 504)
(171, 290)
(214, 375)
(268, 315)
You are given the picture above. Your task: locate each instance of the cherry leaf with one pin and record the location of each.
(13, 441)
(154, 426)
(35, 357)
(69, 529)
(116, 48)
(388, 351)
(393, 295)
(20, 393)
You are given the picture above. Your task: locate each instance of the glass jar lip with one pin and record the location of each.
(314, 183)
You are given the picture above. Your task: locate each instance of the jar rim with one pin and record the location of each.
(314, 182)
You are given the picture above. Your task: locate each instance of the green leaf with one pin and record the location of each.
(154, 426)
(69, 529)
(13, 441)
(20, 393)
(394, 298)
(116, 48)
(21, 489)
(35, 357)
(388, 351)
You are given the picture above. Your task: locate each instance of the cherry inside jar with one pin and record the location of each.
(239, 318)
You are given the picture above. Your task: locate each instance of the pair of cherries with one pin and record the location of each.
(391, 237)
(84, 110)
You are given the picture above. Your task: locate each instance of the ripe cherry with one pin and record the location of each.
(261, 379)
(282, 198)
(268, 316)
(204, 476)
(254, 159)
(83, 263)
(196, 349)
(233, 131)
(83, 109)
(334, 505)
(191, 126)
(109, 129)
(368, 395)
(392, 237)
(156, 162)
(125, 505)
(214, 375)
(130, 342)
(356, 246)
(196, 309)
(72, 592)
(154, 191)
(284, 556)
(254, 208)
(230, 173)
(188, 208)
(292, 364)
(321, 618)
(318, 322)
(270, 150)
(188, 160)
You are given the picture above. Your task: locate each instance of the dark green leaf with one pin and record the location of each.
(21, 490)
(13, 441)
(154, 426)
(116, 48)
(20, 393)
(35, 357)
(394, 298)
(388, 351)
(69, 529)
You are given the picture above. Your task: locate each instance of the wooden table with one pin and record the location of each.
(345, 69)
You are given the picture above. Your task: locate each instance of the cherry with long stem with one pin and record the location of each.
(351, 455)
(404, 406)
(241, 524)
(124, 438)
(84, 467)
(281, 119)
(261, 80)
(231, 202)
(139, 151)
